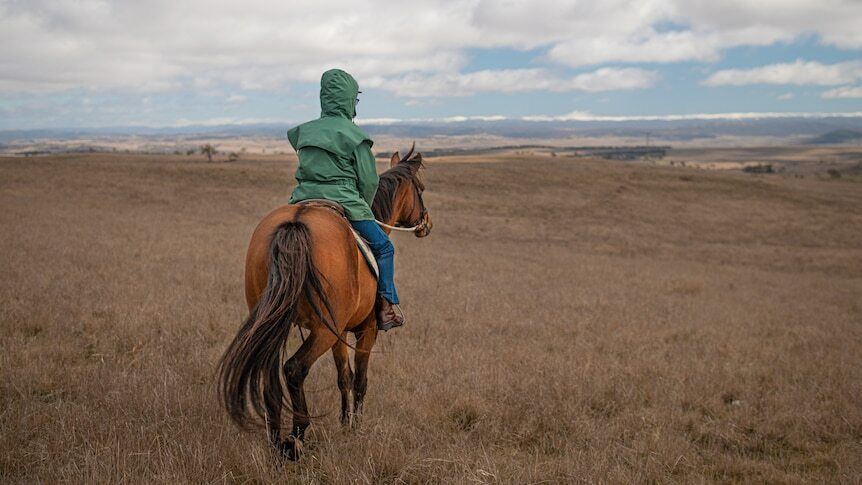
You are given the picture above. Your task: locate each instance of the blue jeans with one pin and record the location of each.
(384, 252)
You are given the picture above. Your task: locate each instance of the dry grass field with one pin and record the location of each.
(568, 321)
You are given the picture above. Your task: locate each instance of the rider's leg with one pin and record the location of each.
(384, 253)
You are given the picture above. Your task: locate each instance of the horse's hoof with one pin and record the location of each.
(291, 448)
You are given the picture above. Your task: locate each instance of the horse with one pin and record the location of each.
(303, 268)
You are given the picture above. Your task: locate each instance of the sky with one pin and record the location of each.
(98, 63)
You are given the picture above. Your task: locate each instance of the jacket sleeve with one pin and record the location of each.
(366, 172)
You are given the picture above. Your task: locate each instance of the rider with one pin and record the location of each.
(336, 163)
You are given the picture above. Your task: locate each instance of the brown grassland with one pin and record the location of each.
(568, 321)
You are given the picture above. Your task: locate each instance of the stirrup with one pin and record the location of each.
(386, 326)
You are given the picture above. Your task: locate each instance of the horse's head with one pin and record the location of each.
(399, 196)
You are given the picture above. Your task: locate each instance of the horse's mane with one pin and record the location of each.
(406, 170)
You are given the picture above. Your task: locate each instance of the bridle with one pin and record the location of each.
(421, 225)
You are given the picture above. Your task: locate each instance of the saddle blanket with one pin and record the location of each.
(366, 251)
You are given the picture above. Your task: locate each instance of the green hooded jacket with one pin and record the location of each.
(335, 159)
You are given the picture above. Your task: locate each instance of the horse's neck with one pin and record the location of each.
(397, 206)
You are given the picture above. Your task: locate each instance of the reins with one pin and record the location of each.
(415, 228)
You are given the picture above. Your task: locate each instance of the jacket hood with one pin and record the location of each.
(338, 91)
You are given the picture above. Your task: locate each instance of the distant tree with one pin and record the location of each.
(762, 168)
(233, 156)
(190, 151)
(209, 151)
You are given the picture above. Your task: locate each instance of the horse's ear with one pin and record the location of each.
(395, 159)
(417, 163)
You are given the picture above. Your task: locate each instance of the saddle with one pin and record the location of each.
(361, 243)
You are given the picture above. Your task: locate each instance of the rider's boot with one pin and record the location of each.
(387, 317)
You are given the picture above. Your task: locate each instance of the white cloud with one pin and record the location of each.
(164, 45)
(784, 97)
(611, 79)
(653, 47)
(236, 98)
(513, 81)
(799, 72)
(844, 92)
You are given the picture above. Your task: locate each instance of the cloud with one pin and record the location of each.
(513, 81)
(800, 72)
(784, 97)
(161, 45)
(651, 45)
(844, 92)
(168, 46)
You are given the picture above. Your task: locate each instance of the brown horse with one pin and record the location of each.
(303, 268)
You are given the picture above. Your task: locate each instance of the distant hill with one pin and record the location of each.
(816, 130)
(836, 137)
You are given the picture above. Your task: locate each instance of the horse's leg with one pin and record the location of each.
(295, 371)
(364, 342)
(345, 377)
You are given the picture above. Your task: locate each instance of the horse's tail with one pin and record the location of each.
(249, 373)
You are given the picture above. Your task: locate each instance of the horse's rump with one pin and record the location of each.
(349, 282)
